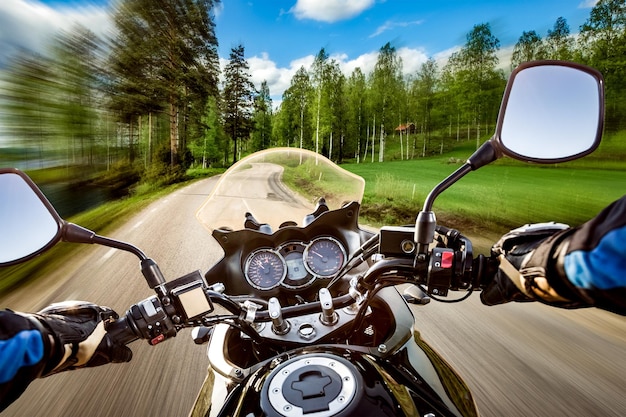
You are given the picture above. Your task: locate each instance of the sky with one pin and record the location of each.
(279, 36)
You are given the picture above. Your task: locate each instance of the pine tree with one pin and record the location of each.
(164, 58)
(238, 98)
(262, 134)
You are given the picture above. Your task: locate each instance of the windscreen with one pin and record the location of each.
(275, 186)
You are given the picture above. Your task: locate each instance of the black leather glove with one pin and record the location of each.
(77, 337)
(525, 254)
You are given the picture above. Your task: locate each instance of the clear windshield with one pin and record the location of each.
(275, 186)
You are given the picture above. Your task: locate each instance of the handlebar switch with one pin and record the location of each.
(151, 321)
(440, 271)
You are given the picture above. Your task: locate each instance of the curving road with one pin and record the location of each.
(518, 359)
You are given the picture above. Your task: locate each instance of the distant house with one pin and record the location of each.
(407, 128)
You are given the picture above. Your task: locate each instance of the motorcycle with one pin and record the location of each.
(307, 319)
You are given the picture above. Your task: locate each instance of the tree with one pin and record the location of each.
(319, 80)
(165, 58)
(238, 98)
(558, 43)
(529, 47)
(297, 104)
(472, 76)
(424, 89)
(76, 65)
(604, 38)
(386, 85)
(356, 90)
(336, 108)
(51, 103)
(211, 146)
(262, 134)
(28, 102)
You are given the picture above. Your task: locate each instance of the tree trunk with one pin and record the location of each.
(381, 147)
(301, 128)
(173, 133)
(317, 123)
(149, 138)
(330, 146)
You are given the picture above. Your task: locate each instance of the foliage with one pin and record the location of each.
(529, 47)
(149, 96)
(262, 117)
(164, 59)
(238, 97)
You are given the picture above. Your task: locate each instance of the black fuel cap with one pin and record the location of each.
(312, 388)
(313, 385)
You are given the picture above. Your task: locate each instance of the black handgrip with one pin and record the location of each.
(484, 270)
(121, 331)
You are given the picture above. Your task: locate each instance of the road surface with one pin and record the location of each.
(518, 359)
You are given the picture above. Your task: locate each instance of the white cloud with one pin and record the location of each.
(412, 59)
(389, 25)
(279, 79)
(365, 61)
(587, 4)
(330, 11)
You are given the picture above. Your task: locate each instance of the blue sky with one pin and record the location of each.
(281, 35)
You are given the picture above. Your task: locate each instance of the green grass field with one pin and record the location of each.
(500, 196)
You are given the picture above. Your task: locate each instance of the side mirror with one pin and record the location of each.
(552, 111)
(28, 223)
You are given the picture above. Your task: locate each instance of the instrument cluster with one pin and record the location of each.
(294, 265)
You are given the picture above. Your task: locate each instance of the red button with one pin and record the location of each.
(446, 259)
(157, 339)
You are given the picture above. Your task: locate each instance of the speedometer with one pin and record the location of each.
(324, 257)
(265, 269)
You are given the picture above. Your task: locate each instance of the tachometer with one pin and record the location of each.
(324, 257)
(265, 269)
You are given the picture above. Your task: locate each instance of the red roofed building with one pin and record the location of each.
(407, 128)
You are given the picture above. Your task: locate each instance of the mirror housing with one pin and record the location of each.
(552, 111)
(29, 224)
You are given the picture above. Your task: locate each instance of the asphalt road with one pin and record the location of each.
(523, 359)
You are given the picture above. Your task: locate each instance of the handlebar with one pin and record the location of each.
(187, 301)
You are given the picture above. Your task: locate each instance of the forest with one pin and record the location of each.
(151, 101)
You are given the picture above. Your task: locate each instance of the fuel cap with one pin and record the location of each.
(313, 386)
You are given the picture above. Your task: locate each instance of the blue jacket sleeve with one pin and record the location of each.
(593, 259)
(22, 355)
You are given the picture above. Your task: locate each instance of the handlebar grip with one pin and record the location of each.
(484, 270)
(121, 331)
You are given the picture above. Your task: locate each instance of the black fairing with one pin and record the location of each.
(340, 224)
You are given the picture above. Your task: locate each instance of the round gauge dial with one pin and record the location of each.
(265, 269)
(324, 257)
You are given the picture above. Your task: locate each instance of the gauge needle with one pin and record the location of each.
(320, 255)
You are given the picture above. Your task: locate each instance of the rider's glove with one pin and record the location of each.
(528, 257)
(77, 338)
